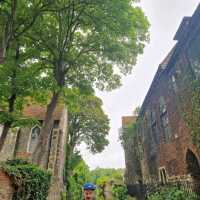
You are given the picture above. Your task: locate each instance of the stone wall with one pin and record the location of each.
(6, 189)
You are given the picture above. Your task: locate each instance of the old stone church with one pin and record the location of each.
(22, 142)
(165, 149)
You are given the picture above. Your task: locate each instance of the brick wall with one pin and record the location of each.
(6, 189)
(172, 83)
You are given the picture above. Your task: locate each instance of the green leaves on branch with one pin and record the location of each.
(17, 120)
(87, 121)
(89, 40)
(128, 134)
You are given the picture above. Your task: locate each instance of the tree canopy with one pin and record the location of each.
(87, 121)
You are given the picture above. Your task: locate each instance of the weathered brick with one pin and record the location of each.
(6, 188)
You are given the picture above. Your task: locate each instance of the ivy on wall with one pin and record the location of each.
(192, 115)
(29, 181)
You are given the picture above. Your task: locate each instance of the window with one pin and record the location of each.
(163, 106)
(34, 138)
(174, 83)
(56, 124)
(164, 120)
(163, 175)
(154, 127)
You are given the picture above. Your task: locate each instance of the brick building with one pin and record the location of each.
(21, 143)
(165, 147)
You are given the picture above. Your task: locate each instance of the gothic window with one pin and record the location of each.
(34, 137)
(164, 120)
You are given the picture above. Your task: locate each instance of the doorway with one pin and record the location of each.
(193, 168)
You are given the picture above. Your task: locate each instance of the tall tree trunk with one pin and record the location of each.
(70, 146)
(41, 153)
(68, 171)
(4, 134)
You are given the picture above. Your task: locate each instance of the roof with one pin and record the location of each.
(38, 112)
(127, 120)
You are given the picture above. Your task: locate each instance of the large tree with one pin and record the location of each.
(18, 79)
(87, 124)
(97, 41)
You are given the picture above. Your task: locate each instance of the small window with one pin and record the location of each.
(163, 106)
(163, 176)
(35, 133)
(56, 124)
(174, 83)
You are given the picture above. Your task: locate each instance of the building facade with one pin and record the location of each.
(21, 143)
(165, 145)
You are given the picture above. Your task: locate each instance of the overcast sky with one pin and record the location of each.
(165, 17)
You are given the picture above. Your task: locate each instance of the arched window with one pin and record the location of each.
(34, 137)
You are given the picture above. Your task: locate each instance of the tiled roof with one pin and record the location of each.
(38, 112)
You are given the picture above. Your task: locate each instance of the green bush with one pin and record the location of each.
(30, 182)
(120, 192)
(171, 193)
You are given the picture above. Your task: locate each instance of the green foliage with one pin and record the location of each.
(80, 175)
(171, 193)
(87, 121)
(30, 182)
(87, 40)
(108, 179)
(192, 115)
(128, 134)
(120, 192)
(103, 175)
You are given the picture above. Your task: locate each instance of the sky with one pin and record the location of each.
(165, 17)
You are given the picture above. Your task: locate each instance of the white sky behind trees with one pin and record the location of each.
(165, 17)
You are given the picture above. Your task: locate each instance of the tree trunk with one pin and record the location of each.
(68, 172)
(70, 146)
(7, 125)
(41, 153)
(4, 134)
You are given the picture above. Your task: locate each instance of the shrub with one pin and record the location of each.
(29, 181)
(171, 193)
(120, 192)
